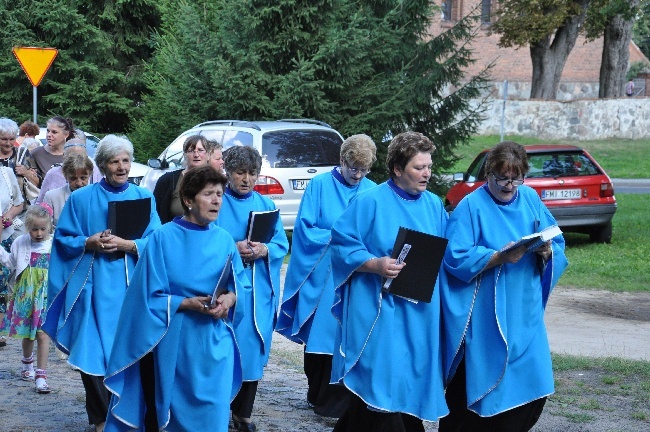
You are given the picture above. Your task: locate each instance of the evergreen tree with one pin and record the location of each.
(363, 67)
(96, 78)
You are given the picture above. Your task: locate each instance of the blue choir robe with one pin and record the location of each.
(305, 314)
(255, 331)
(499, 312)
(388, 348)
(197, 365)
(85, 288)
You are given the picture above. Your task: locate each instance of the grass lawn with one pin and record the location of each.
(621, 265)
(619, 158)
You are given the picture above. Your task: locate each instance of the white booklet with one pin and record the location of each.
(533, 241)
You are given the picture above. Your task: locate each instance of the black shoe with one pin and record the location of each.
(243, 426)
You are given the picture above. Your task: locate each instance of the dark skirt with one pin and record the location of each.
(357, 417)
(460, 419)
(328, 400)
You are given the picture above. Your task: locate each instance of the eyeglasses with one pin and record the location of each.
(356, 171)
(199, 151)
(503, 181)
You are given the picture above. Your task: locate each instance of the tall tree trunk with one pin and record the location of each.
(549, 56)
(616, 55)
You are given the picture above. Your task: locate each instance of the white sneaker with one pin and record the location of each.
(27, 375)
(41, 386)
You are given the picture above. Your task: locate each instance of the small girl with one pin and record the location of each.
(29, 261)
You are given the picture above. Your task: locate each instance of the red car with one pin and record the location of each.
(573, 186)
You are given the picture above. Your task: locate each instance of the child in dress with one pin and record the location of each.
(29, 261)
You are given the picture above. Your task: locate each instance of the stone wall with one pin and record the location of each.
(589, 119)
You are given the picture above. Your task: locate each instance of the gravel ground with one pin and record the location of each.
(281, 406)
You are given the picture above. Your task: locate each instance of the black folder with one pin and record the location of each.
(261, 225)
(129, 219)
(222, 284)
(423, 255)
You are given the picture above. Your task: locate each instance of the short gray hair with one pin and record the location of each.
(109, 147)
(242, 157)
(359, 150)
(8, 126)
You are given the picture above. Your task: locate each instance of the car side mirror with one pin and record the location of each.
(154, 163)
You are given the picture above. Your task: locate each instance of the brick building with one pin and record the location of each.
(580, 77)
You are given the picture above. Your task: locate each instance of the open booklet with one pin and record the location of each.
(261, 225)
(423, 255)
(533, 241)
(222, 284)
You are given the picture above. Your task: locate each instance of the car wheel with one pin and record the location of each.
(602, 234)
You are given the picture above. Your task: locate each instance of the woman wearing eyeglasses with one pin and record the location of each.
(305, 315)
(497, 357)
(168, 202)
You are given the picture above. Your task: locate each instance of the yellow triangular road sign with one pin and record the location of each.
(35, 61)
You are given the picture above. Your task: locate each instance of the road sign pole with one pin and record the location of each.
(35, 114)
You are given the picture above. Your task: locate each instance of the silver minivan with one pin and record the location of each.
(293, 152)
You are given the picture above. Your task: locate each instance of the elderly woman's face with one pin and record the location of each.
(78, 180)
(416, 174)
(6, 143)
(353, 173)
(196, 157)
(242, 180)
(56, 135)
(502, 185)
(117, 169)
(204, 207)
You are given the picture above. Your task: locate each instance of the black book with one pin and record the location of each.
(261, 225)
(129, 219)
(423, 255)
(222, 284)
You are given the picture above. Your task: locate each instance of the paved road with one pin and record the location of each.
(633, 186)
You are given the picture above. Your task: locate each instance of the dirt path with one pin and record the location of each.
(591, 323)
(599, 324)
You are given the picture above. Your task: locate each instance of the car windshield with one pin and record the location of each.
(560, 164)
(227, 138)
(301, 148)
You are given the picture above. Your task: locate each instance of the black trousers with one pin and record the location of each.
(148, 381)
(328, 400)
(460, 419)
(97, 397)
(242, 405)
(357, 418)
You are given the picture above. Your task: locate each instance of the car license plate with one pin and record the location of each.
(560, 194)
(300, 184)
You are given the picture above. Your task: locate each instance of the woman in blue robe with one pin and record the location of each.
(305, 314)
(497, 357)
(388, 351)
(90, 270)
(183, 368)
(263, 262)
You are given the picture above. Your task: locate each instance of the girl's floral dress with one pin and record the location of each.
(26, 307)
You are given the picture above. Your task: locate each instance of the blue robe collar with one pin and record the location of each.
(336, 172)
(110, 188)
(401, 192)
(190, 225)
(235, 195)
(498, 202)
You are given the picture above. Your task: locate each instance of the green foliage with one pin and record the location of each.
(521, 23)
(601, 12)
(363, 67)
(641, 30)
(635, 69)
(96, 78)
